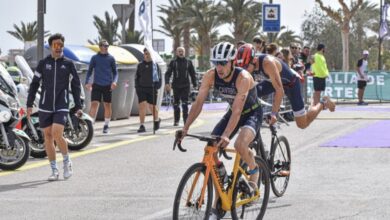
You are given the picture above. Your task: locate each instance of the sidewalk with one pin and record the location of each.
(134, 120)
(166, 114)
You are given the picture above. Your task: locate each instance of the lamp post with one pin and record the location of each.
(41, 31)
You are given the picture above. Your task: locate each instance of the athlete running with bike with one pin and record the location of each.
(280, 80)
(237, 86)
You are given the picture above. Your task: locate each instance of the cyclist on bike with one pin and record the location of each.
(280, 80)
(238, 87)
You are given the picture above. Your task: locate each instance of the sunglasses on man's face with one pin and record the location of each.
(105, 46)
(58, 45)
(222, 63)
(294, 48)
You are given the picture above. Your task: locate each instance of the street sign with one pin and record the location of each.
(271, 17)
(123, 12)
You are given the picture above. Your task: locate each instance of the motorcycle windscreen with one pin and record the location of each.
(7, 81)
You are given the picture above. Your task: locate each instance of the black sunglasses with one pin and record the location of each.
(222, 63)
(294, 48)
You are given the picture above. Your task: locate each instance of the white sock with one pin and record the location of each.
(106, 121)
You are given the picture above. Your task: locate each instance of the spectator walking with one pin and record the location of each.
(182, 70)
(362, 70)
(52, 75)
(147, 83)
(320, 73)
(105, 79)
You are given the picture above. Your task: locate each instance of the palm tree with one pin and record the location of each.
(343, 19)
(196, 43)
(285, 37)
(26, 32)
(365, 19)
(107, 29)
(201, 16)
(133, 37)
(243, 15)
(174, 27)
(170, 25)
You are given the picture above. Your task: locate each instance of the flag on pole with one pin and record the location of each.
(144, 20)
(384, 28)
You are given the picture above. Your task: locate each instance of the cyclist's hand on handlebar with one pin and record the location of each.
(180, 134)
(272, 120)
(224, 142)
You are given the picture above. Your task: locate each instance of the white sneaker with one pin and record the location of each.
(54, 176)
(68, 170)
(213, 215)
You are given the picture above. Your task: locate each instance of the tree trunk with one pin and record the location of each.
(204, 57)
(238, 34)
(176, 44)
(345, 41)
(186, 40)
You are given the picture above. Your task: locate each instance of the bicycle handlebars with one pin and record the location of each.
(212, 141)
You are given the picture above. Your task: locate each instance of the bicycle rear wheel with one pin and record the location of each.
(257, 208)
(281, 165)
(186, 204)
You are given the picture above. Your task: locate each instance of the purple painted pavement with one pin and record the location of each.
(376, 135)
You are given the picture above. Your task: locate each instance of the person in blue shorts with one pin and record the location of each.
(281, 80)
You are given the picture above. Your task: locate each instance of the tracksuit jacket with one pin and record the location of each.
(54, 75)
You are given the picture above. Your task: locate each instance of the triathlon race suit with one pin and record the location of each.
(252, 114)
(291, 86)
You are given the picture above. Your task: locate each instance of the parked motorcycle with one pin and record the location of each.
(29, 126)
(78, 131)
(14, 143)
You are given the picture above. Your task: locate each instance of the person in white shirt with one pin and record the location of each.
(362, 70)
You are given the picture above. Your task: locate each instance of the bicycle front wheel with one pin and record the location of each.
(255, 209)
(281, 159)
(188, 195)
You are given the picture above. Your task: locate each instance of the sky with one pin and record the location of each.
(74, 18)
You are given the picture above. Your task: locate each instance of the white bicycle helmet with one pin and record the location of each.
(223, 51)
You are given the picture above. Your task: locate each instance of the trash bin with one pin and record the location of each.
(137, 51)
(123, 95)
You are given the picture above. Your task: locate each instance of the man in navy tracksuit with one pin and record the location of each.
(104, 81)
(53, 76)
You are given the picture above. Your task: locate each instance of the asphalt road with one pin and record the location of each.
(124, 175)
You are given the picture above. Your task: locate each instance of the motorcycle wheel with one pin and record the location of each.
(17, 156)
(81, 139)
(37, 148)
